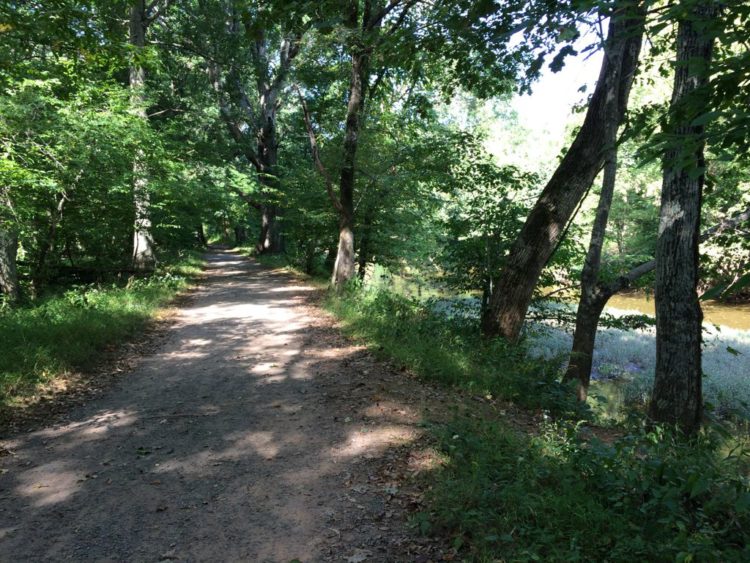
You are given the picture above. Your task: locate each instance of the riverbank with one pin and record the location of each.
(624, 362)
(558, 487)
(624, 359)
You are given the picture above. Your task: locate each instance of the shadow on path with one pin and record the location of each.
(236, 440)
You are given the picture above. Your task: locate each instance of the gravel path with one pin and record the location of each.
(253, 433)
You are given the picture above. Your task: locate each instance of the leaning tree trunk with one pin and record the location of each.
(8, 273)
(590, 310)
(546, 222)
(144, 258)
(677, 394)
(592, 303)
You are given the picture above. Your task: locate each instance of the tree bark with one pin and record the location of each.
(343, 269)
(587, 321)
(677, 393)
(144, 258)
(40, 274)
(260, 125)
(8, 272)
(592, 303)
(363, 255)
(201, 235)
(240, 235)
(547, 221)
(269, 90)
(330, 260)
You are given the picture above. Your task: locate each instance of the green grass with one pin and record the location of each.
(559, 495)
(67, 330)
(451, 352)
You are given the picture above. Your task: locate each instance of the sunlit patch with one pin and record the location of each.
(332, 353)
(291, 352)
(186, 355)
(193, 342)
(291, 288)
(275, 379)
(425, 459)
(391, 410)
(51, 483)
(262, 444)
(267, 368)
(372, 442)
(92, 428)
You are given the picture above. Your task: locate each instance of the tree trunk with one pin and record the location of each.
(40, 274)
(343, 270)
(364, 243)
(144, 258)
(201, 235)
(309, 256)
(677, 394)
(584, 340)
(240, 235)
(8, 273)
(547, 221)
(591, 302)
(269, 240)
(330, 260)
(589, 312)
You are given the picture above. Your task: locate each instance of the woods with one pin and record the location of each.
(387, 147)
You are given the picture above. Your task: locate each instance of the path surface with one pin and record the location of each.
(254, 433)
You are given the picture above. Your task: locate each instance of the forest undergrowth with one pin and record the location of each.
(69, 327)
(558, 493)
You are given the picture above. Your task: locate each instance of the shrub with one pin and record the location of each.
(649, 496)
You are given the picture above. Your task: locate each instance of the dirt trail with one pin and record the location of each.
(253, 433)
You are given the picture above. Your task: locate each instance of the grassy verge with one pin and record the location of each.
(281, 262)
(557, 495)
(450, 351)
(66, 331)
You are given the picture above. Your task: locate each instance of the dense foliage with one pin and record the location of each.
(377, 142)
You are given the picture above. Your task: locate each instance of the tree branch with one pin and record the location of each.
(316, 154)
(624, 281)
(377, 18)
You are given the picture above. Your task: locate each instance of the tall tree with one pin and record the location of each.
(546, 222)
(363, 34)
(8, 249)
(593, 299)
(343, 269)
(263, 46)
(141, 15)
(677, 393)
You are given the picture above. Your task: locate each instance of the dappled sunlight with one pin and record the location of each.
(391, 410)
(292, 288)
(188, 355)
(92, 428)
(247, 418)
